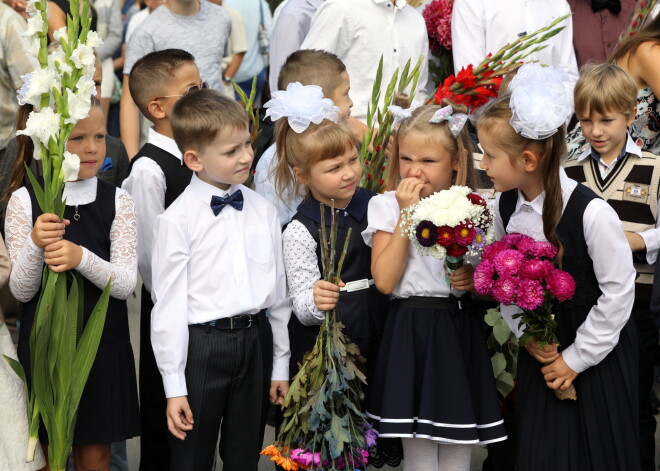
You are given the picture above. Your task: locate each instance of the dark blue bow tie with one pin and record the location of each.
(235, 200)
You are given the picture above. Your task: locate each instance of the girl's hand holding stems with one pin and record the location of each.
(59, 254)
(557, 374)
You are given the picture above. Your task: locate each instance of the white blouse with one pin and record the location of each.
(28, 259)
(612, 262)
(423, 275)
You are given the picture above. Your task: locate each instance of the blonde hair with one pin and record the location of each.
(318, 142)
(199, 116)
(459, 147)
(494, 120)
(312, 67)
(605, 87)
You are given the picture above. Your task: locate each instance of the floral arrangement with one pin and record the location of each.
(448, 225)
(437, 16)
(474, 86)
(380, 123)
(324, 427)
(59, 90)
(638, 19)
(520, 270)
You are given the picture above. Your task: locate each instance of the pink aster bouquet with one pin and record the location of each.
(437, 16)
(449, 224)
(520, 270)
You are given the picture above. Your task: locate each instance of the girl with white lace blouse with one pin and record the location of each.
(97, 238)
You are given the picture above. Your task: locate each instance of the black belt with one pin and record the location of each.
(242, 321)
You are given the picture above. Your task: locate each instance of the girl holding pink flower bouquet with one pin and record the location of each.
(433, 383)
(595, 351)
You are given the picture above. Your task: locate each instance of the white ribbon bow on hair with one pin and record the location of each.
(301, 105)
(456, 121)
(399, 113)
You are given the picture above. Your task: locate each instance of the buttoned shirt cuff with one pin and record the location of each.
(573, 360)
(280, 369)
(652, 242)
(175, 385)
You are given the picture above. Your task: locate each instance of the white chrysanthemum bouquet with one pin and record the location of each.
(62, 351)
(449, 224)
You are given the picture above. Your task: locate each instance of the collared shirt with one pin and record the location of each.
(13, 63)
(612, 262)
(479, 27)
(208, 267)
(359, 32)
(651, 236)
(146, 184)
(289, 32)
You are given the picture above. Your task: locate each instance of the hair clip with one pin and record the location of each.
(399, 113)
(301, 105)
(456, 121)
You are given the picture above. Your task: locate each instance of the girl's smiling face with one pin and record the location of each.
(87, 141)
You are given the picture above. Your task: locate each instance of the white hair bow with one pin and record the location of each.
(456, 120)
(301, 105)
(399, 113)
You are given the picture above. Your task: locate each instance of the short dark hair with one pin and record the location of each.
(199, 116)
(151, 75)
(312, 67)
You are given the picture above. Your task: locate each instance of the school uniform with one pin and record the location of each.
(158, 176)
(433, 378)
(597, 340)
(213, 278)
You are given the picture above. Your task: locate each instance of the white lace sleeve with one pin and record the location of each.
(27, 259)
(302, 272)
(122, 267)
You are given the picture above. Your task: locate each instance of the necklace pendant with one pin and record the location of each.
(76, 216)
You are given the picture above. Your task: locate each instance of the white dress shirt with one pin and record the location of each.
(290, 29)
(208, 267)
(264, 184)
(479, 27)
(423, 275)
(651, 236)
(612, 262)
(359, 32)
(28, 259)
(146, 184)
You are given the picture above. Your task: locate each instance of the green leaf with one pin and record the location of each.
(16, 366)
(504, 383)
(492, 315)
(38, 190)
(499, 363)
(501, 331)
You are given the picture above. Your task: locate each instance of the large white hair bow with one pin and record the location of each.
(301, 105)
(539, 102)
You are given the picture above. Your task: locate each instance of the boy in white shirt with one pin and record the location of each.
(217, 267)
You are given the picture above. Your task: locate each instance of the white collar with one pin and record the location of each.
(205, 191)
(166, 143)
(631, 148)
(567, 187)
(399, 4)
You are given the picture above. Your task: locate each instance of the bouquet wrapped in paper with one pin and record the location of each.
(520, 270)
(449, 224)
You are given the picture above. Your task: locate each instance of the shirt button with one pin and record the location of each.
(395, 50)
(389, 5)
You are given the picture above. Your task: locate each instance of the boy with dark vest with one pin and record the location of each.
(618, 171)
(157, 178)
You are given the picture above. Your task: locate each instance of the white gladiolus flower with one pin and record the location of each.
(83, 56)
(93, 39)
(57, 59)
(61, 35)
(70, 166)
(37, 148)
(35, 25)
(85, 88)
(43, 124)
(35, 46)
(78, 108)
(39, 81)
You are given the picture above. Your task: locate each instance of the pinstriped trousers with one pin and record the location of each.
(228, 380)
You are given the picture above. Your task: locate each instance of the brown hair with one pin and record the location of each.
(494, 120)
(604, 88)
(456, 146)
(318, 142)
(25, 150)
(199, 116)
(312, 67)
(650, 33)
(153, 73)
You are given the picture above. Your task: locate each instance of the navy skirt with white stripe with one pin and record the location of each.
(433, 378)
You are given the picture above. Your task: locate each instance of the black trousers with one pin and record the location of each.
(228, 379)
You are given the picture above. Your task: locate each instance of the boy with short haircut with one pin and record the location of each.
(618, 171)
(309, 67)
(157, 178)
(217, 267)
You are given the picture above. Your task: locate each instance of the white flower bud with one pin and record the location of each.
(83, 56)
(78, 108)
(93, 39)
(61, 35)
(70, 166)
(35, 25)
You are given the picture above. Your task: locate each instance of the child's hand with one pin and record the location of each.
(48, 229)
(407, 193)
(635, 241)
(278, 390)
(544, 355)
(558, 375)
(63, 255)
(326, 294)
(179, 416)
(462, 279)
